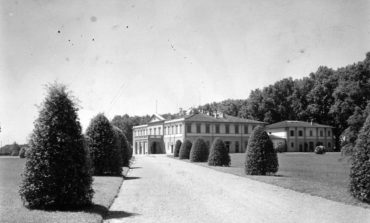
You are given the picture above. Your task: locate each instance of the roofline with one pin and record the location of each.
(174, 120)
(139, 126)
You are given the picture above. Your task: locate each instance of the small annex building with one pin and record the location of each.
(160, 135)
(301, 136)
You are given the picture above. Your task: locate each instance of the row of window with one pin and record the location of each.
(150, 131)
(177, 129)
(217, 128)
(308, 147)
(300, 133)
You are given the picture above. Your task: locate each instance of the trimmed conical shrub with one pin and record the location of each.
(360, 168)
(57, 173)
(185, 149)
(261, 158)
(218, 156)
(102, 145)
(199, 151)
(177, 148)
(122, 146)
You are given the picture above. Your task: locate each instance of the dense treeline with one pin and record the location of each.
(326, 96)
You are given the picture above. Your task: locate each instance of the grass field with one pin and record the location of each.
(320, 175)
(12, 209)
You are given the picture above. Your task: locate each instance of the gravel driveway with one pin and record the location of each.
(162, 189)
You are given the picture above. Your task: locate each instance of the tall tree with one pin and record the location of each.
(57, 173)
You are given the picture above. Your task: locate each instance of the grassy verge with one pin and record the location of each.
(12, 209)
(325, 175)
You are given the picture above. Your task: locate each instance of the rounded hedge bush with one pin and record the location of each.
(320, 150)
(102, 146)
(281, 147)
(22, 152)
(177, 148)
(15, 149)
(218, 156)
(57, 172)
(199, 151)
(185, 149)
(261, 157)
(360, 167)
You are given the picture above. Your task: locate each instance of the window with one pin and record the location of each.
(236, 147)
(310, 132)
(329, 145)
(300, 148)
(227, 145)
(198, 128)
(236, 129)
(172, 130)
(155, 131)
(245, 129)
(321, 133)
(177, 129)
(292, 144)
(329, 133)
(159, 130)
(188, 128)
(181, 129)
(217, 129)
(300, 133)
(207, 128)
(227, 129)
(291, 132)
(150, 131)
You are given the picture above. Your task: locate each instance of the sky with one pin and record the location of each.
(121, 56)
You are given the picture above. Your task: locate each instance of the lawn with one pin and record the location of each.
(320, 175)
(12, 209)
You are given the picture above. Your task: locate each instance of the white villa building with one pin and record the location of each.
(301, 136)
(160, 135)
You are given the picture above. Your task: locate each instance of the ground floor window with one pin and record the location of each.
(227, 144)
(236, 147)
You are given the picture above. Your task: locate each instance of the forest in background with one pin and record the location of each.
(336, 97)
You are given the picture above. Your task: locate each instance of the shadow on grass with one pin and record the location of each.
(119, 214)
(131, 178)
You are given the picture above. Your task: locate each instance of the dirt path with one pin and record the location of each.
(161, 189)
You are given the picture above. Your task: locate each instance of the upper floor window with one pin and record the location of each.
(321, 133)
(310, 132)
(180, 129)
(177, 129)
(217, 128)
(155, 131)
(198, 128)
(172, 131)
(236, 129)
(245, 129)
(207, 128)
(227, 129)
(300, 133)
(188, 128)
(150, 131)
(329, 132)
(291, 132)
(159, 130)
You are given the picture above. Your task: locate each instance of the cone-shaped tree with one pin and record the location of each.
(360, 168)
(261, 158)
(185, 149)
(199, 151)
(57, 174)
(218, 156)
(177, 148)
(122, 145)
(102, 145)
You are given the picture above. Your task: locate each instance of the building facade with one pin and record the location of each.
(301, 136)
(160, 135)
